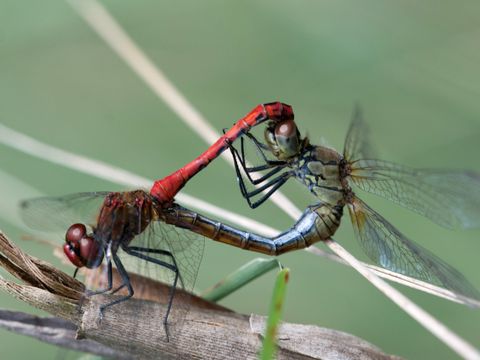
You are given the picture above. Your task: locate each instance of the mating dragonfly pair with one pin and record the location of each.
(103, 227)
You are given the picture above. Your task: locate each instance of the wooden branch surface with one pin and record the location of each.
(55, 331)
(208, 331)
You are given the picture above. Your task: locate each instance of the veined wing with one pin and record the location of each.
(389, 248)
(167, 242)
(357, 144)
(166, 247)
(186, 246)
(449, 198)
(59, 212)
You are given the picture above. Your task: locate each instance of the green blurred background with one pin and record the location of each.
(414, 67)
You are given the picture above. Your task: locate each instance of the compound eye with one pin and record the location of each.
(288, 138)
(286, 129)
(90, 252)
(75, 233)
(72, 256)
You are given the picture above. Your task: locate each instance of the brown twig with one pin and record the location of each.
(54, 331)
(209, 331)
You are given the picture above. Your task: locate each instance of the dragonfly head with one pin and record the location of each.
(283, 139)
(81, 249)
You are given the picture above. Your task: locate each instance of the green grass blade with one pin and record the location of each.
(274, 316)
(240, 277)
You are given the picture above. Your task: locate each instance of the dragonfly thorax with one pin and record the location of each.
(123, 216)
(318, 169)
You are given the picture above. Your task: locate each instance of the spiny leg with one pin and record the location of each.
(160, 252)
(137, 252)
(272, 185)
(242, 158)
(275, 166)
(260, 148)
(275, 184)
(109, 282)
(125, 283)
(237, 158)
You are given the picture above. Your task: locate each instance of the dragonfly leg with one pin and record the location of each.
(241, 181)
(260, 149)
(160, 252)
(109, 282)
(118, 288)
(237, 158)
(126, 283)
(272, 185)
(137, 251)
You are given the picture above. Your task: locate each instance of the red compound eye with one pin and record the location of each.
(73, 237)
(89, 250)
(82, 249)
(75, 233)
(72, 256)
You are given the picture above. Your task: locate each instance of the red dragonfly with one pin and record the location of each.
(101, 223)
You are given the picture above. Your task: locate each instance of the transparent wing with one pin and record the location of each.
(186, 246)
(169, 247)
(449, 198)
(357, 144)
(389, 248)
(58, 213)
